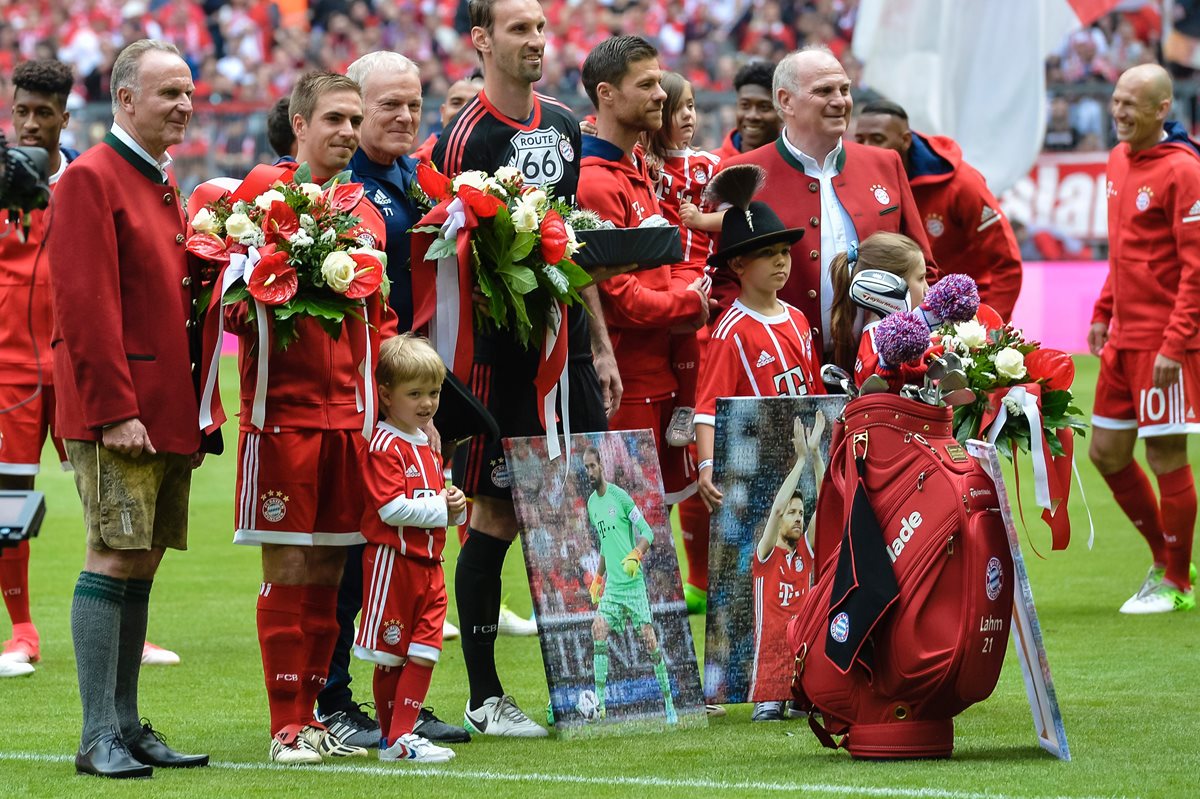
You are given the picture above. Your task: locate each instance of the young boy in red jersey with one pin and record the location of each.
(408, 506)
(761, 346)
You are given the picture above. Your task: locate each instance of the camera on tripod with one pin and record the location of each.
(24, 178)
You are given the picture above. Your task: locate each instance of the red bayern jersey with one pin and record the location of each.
(685, 174)
(401, 468)
(780, 582)
(21, 349)
(752, 355)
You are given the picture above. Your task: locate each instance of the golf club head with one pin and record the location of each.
(952, 361)
(936, 368)
(874, 385)
(832, 375)
(962, 396)
(953, 381)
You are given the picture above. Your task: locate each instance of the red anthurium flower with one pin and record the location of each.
(368, 275)
(437, 186)
(554, 237)
(274, 281)
(987, 316)
(483, 204)
(208, 246)
(280, 222)
(1054, 368)
(345, 196)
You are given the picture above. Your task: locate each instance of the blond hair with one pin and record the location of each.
(408, 357)
(890, 252)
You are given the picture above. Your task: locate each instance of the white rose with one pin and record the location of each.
(338, 270)
(1010, 363)
(205, 221)
(241, 228)
(525, 217)
(971, 333)
(472, 177)
(310, 190)
(538, 199)
(572, 242)
(269, 196)
(509, 174)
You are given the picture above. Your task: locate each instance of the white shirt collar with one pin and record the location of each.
(810, 163)
(161, 164)
(62, 167)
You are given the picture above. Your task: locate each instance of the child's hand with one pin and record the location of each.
(708, 491)
(689, 214)
(456, 501)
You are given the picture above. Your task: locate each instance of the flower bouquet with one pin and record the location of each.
(295, 251)
(520, 245)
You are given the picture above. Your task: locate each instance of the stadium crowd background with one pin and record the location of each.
(247, 53)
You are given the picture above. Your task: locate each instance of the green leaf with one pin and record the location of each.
(519, 279)
(237, 293)
(441, 248)
(303, 174)
(522, 246)
(575, 273)
(425, 229)
(341, 177)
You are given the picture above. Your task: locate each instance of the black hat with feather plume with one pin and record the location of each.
(748, 223)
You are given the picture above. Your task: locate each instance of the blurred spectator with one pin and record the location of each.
(1061, 135)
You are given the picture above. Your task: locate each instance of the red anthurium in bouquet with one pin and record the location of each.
(299, 244)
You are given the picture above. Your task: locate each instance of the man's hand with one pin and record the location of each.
(435, 438)
(632, 563)
(456, 501)
(708, 490)
(611, 388)
(1166, 371)
(602, 273)
(1098, 337)
(197, 460)
(596, 588)
(128, 438)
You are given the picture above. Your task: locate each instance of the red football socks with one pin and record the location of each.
(1134, 494)
(318, 620)
(1178, 490)
(384, 689)
(693, 523)
(281, 641)
(14, 581)
(411, 691)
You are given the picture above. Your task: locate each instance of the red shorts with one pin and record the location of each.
(677, 463)
(1126, 398)
(404, 606)
(300, 487)
(24, 430)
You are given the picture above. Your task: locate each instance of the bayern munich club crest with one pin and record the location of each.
(1143, 198)
(934, 225)
(699, 175)
(566, 150)
(839, 628)
(274, 505)
(500, 475)
(392, 629)
(994, 578)
(881, 194)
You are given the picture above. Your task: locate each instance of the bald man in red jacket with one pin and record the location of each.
(841, 192)
(968, 232)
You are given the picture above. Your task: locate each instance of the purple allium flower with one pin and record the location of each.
(954, 298)
(901, 338)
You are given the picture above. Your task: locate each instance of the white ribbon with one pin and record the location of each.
(241, 267)
(443, 327)
(563, 388)
(1083, 497)
(367, 370)
(1041, 470)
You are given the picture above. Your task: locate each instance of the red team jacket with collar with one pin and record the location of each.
(400, 467)
(968, 232)
(640, 307)
(1152, 294)
(729, 146)
(24, 260)
(124, 343)
(873, 188)
(311, 384)
(751, 355)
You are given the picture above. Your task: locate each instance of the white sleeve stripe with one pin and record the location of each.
(728, 321)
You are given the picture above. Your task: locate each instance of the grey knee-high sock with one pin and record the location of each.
(95, 628)
(129, 655)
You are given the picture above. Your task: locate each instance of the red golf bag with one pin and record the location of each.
(907, 622)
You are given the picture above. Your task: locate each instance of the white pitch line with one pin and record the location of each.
(402, 771)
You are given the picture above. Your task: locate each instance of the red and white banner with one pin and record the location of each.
(1064, 193)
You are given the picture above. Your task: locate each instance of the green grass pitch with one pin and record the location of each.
(1128, 689)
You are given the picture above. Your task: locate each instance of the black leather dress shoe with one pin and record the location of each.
(107, 756)
(149, 747)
